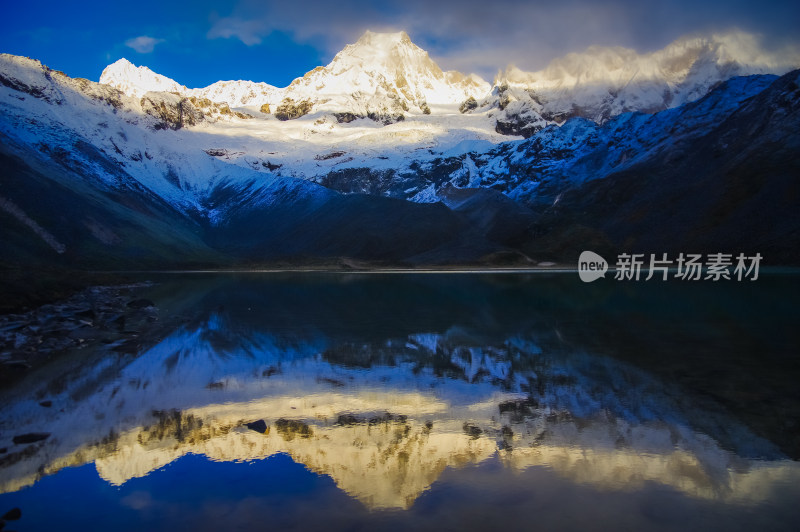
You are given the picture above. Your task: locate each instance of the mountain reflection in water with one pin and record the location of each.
(385, 382)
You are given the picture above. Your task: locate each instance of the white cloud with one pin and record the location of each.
(249, 32)
(143, 44)
(483, 37)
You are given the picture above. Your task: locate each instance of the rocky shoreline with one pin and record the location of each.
(114, 316)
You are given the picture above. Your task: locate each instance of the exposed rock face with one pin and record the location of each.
(289, 110)
(468, 105)
(517, 124)
(173, 111)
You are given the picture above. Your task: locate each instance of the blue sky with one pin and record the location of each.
(199, 42)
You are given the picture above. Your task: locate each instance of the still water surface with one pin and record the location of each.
(430, 402)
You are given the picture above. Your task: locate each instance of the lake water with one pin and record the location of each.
(514, 401)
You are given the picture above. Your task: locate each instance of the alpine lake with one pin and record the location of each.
(408, 401)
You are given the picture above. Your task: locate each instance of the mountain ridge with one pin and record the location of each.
(388, 72)
(239, 186)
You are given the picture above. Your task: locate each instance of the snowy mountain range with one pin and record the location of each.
(603, 82)
(379, 73)
(381, 156)
(389, 72)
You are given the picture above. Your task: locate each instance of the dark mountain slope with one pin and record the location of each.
(54, 216)
(735, 189)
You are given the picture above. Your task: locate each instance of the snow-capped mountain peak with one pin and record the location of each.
(603, 82)
(136, 81)
(240, 93)
(376, 48)
(673, 64)
(383, 74)
(388, 65)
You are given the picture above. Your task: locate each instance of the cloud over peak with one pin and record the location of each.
(144, 44)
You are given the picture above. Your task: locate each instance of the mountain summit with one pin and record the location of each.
(136, 81)
(388, 65)
(381, 74)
